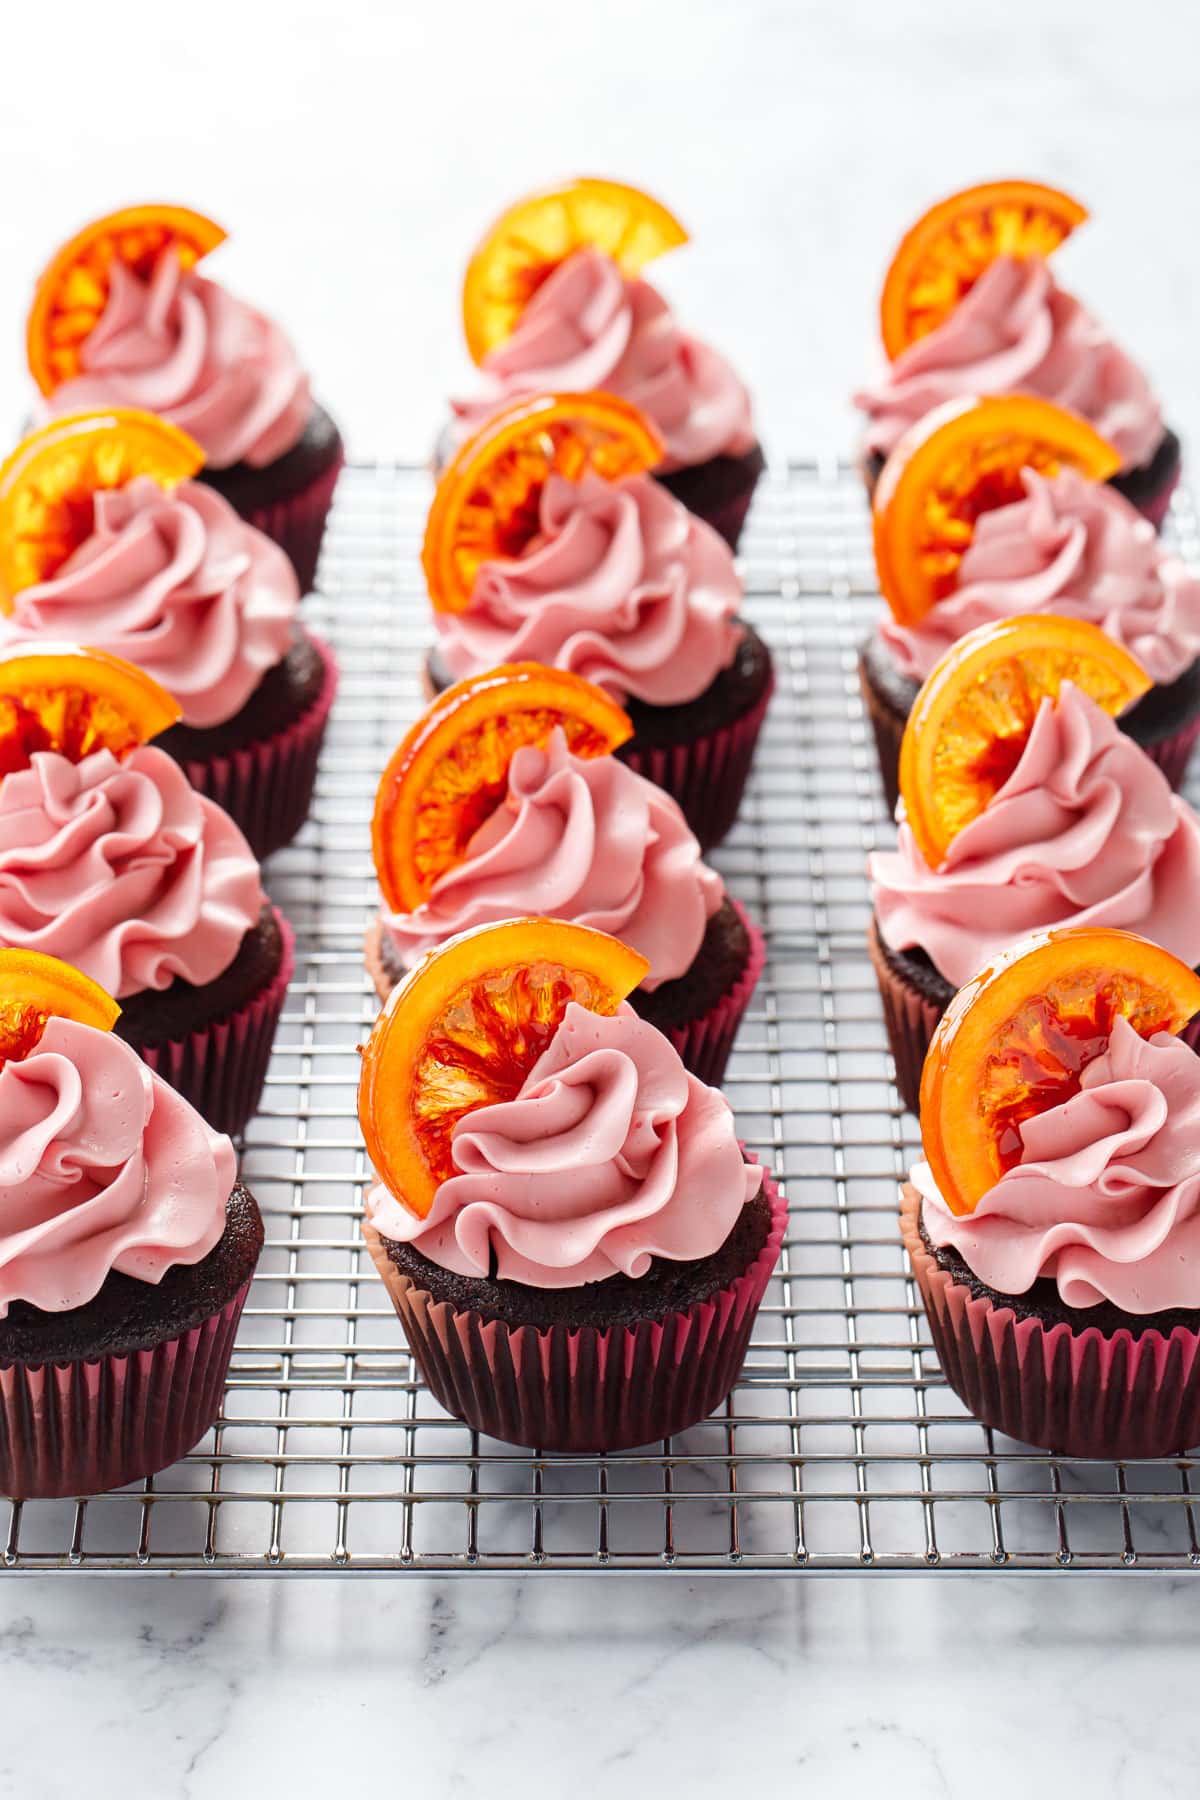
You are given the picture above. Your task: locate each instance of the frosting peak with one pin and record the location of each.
(177, 584)
(102, 1167)
(1106, 1197)
(585, 839)
(587, 327)
(623, 586)
(1073, 547)
(611, 1154)
(180, 345)
(1016, 331)
(122, 869)
(1085, 831)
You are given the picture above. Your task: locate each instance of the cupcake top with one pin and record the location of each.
(1084, 831)
(589, 325)
(175, 582)
(1073, 547)
(103, 1168)
(620, 585)
(1104, 1198)
(1016, 330)
(173, 342)
(121, 869)
(579, 838)
(610, 1154)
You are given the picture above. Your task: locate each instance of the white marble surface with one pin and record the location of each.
(354, 149)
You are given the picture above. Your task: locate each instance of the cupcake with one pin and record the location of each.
(127, 1245)
(506, 799)
(106, 540)
(573, 1238)
(1054, 1227)
(112, 862)
(970, 307)
(1024, 808)
(995, 508)
(548, 542)
(122, 317)
(554, 300)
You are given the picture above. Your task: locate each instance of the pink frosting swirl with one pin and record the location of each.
(623, 586)
(587, 327)
(1016, 331)
(103, 1167)
(1105, 1200)
(1085, 831)
(122, 869)
(1072, 547)
(611, 1154)
(177, 584)
(577, 838)
(183, 347)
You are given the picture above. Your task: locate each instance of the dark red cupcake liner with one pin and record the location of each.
(267, 787)
(221, 1067)
(1060, 1387)
(584, 1390)
(704, 1043)
(297, 523)
(708, 775)
(1173, 754)
(728, 520)
(84, 1427)
(1156, 506)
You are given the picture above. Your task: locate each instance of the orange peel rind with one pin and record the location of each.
(1015, 1041)
(464, 1028)
(972, 717)
(451, 770)
(35, 988)
(530, 239)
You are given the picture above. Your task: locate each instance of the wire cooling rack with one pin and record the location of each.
(841, 1448)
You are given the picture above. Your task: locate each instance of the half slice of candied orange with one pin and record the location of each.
(530, 240)
(973, 716)
(463, 1030)
(487, 501)
(451, 771)
(1016, 1039)
(963, 459)
(49, 484)
(72, 291)
(947, 250)
(59, 697)
(35, 988)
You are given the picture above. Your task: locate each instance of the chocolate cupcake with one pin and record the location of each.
(554, 300)
(486, 813)
(1052, 1231)
(582, 1270)
(122, 318)
(126, 1251)
(971, 307)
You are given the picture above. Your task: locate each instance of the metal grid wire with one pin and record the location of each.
(841, 1448)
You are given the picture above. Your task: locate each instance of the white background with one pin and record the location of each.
(353, 152)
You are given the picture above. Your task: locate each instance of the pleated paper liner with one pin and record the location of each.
(706, 776)
(221, 1067)
(1062, 1387)
(703, 1043)
(267, 787)
(590, 1389)
(297, 524)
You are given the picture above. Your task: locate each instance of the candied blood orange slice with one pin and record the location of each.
(948, 249)
(1016, 1039)
(527, 243)
(973, 716)
(35, 988)
(463, 1030)
(74, 701)
(49, 483)
(72, 292)
(963, 459)
(485, 508)
(451, 771)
